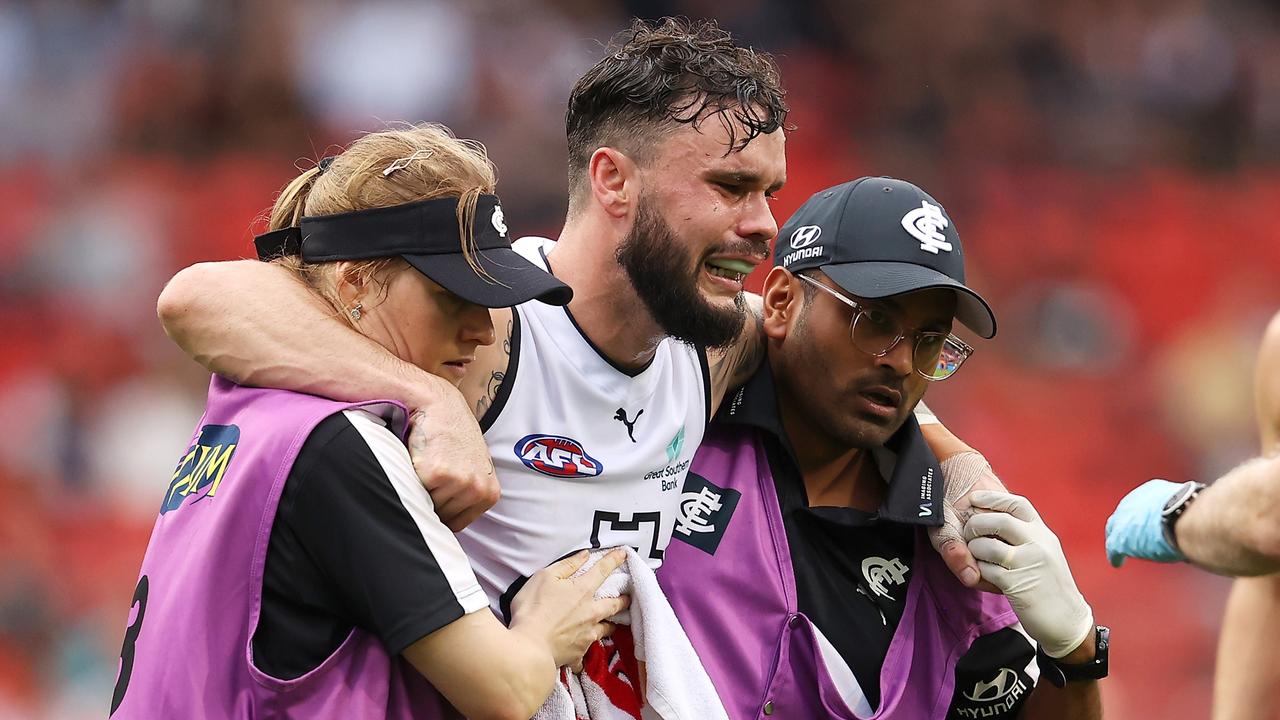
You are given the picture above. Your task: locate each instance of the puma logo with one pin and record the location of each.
(621, 416)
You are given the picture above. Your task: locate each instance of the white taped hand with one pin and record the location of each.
(961, 473)
(1019, 554)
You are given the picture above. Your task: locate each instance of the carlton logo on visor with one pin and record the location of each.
(426, 227)
(499, 221)
(485, 271)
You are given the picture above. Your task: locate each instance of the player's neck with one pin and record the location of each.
(604, 306)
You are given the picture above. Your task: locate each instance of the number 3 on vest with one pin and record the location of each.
(130, 641)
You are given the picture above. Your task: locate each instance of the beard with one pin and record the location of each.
(659, 269)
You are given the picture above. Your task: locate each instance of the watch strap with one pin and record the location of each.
(1059, 674)
(1170, 515)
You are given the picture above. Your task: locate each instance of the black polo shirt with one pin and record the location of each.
(355, 543)
(852, 568)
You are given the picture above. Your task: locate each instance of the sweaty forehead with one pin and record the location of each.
(705, 149)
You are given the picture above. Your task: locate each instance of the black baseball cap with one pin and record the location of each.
(877, 237)
(425, 234)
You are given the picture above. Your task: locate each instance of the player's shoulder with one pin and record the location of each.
(1269, 350)
(534, 248)
(1271, 336)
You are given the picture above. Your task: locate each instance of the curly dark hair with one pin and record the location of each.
(674, 72)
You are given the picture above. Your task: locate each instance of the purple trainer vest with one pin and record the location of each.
(187, 651)
(739, 605)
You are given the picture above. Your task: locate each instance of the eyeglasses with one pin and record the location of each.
(936, 355)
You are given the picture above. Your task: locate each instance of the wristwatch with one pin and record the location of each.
(1059, 674)
(1174, 508)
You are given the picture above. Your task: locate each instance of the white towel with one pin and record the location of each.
(676, 687)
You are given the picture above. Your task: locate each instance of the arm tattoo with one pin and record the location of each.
(497, 376)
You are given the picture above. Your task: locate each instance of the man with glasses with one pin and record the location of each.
(802, 572)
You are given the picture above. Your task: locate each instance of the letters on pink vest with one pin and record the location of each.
(187, 651)
(729, 578)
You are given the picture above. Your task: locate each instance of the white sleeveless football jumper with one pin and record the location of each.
(588, 455)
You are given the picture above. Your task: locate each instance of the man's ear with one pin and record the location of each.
(783, 302)
(614, 181)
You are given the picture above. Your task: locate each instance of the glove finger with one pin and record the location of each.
(1115, 557)
(991, 550)
(994, 574)
(1000, 525)
(1115, 537)
(1015, 505)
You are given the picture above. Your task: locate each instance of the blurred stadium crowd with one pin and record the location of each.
(1114, 168)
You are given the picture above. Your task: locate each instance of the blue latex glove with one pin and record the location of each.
(1135, 530)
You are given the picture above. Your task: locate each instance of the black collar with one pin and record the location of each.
(909, 466)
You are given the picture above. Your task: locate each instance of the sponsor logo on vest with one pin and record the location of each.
(201, 469)
(805, 236)
(879, 572)
(996, 697)
(923, 223)
(704, 512)
(809, 252)
(557, 456)
(737, 400)
(926, 494)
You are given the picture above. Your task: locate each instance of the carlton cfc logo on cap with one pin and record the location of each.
(924, 224)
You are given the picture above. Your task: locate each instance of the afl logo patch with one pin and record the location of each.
(557, 456)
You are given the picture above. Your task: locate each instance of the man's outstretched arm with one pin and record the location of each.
(254, 323)
(1230, 528)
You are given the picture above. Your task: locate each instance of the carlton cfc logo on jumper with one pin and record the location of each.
(557, 456)
(925, 223)
(704, 512)
(201, 469)
(881, 574)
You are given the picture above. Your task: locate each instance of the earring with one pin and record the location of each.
(355, 311)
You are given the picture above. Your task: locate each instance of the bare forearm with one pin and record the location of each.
(254, 323)
(484, 669)
(942, 441)
(1248, 669)
(1231, 527)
